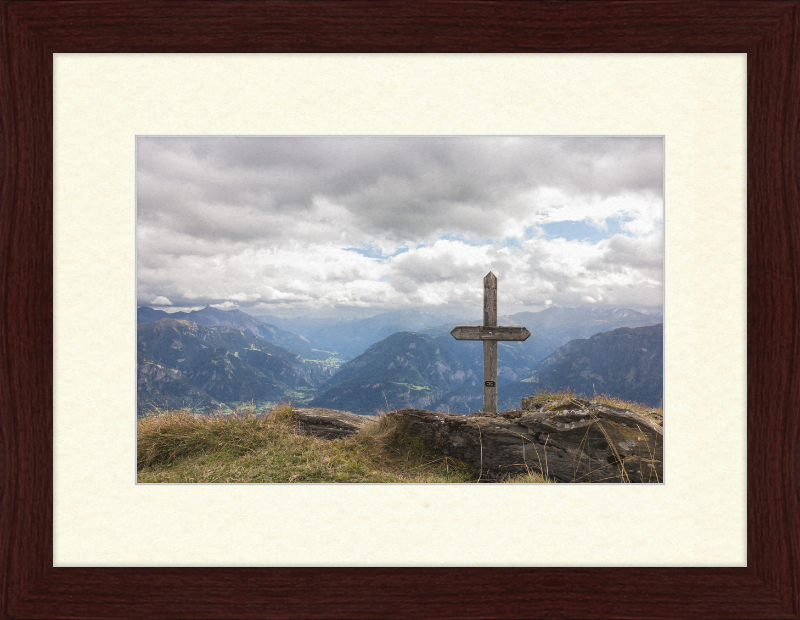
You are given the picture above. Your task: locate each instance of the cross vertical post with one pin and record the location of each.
(490, 346)
(489, 333)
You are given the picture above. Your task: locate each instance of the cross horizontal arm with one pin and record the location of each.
(476, 332)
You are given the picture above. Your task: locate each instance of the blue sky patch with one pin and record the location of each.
(373, 252)
(582, 231)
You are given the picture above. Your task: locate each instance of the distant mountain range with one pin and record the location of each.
(352, 338)
(181, 363)
(626, 363)
(554, 327)
(422, 366)
(405, 369)
(213, 317)
(414, 370)
(322, 338)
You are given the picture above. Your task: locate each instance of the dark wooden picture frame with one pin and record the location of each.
(768, 31)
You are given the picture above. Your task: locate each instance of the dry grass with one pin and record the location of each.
(169, 436)
(652, 413)
(545, 394)
(530, 477)
(179, 446)
(250, 445)
(655, 414)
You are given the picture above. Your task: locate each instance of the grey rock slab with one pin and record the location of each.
(588, 443)
(330, 423)
(602, 443)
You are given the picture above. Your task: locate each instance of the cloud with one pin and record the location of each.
(357, 222)
(161, 301)
(225, 305)
(254, 189)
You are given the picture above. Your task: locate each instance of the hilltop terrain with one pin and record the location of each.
(552, 437)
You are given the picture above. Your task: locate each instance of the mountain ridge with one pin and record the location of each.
(389, 375)
(459, 391)
(626, 363)
(405, 368)
(182, 362)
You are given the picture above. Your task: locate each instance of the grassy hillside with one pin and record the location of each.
(265, 446)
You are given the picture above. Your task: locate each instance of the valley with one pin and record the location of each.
(213, 358)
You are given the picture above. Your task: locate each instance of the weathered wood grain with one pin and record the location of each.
(490, 376)
(490, 346)
(477, 332)
(490, 300)
(489, 333)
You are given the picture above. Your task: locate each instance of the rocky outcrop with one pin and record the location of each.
(530, 403)
(569, 441)
(329, 423)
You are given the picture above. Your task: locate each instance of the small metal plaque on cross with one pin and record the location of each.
(490, 333)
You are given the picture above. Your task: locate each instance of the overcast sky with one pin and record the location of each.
(360, 225)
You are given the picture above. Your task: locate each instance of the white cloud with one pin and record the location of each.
(161, 301)
(384, 223)
(226, 305)
(245, 297)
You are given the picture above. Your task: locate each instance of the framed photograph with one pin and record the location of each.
(80, 539)
(336, 298)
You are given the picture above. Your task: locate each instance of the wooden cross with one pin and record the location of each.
(490, 333)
